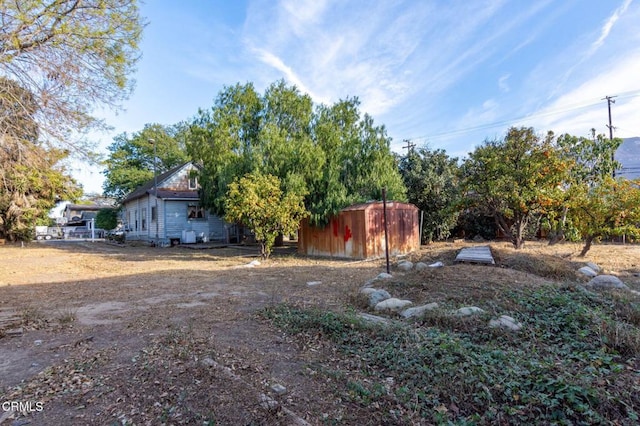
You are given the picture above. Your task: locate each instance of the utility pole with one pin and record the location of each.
(610, 101)
(155, 188)
(409, 147)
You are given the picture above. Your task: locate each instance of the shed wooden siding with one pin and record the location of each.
(358, 232)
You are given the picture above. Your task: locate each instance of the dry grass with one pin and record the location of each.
(210, 297)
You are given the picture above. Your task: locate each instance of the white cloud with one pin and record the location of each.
(503, 83)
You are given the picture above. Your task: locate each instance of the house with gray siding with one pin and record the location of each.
(171, 212)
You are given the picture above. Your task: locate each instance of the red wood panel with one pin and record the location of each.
(358, 232)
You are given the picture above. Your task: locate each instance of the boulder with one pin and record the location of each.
(468, 310)
(368, 290)
(377, 297)
(594, 267)
(374, 319)
(418, 311)
(421, 266)
(505, 322)
(405, 265)
(381, 276)
(589, 272)
(392, 304)
(604, 282)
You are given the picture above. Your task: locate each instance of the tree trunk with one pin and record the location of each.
(587, 245)
(559, 235)
(502, 226)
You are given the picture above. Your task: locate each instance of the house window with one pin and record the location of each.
(144, 219)
(193, 182)
(135, 214)
(154, 213)
(195, 212)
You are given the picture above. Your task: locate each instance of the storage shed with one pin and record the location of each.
(358, 232)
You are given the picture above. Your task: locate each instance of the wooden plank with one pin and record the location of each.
(480, 254)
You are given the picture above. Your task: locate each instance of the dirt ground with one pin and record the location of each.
(94, 333)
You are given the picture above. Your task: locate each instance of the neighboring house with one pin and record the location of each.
(171, 213)
(80, 214)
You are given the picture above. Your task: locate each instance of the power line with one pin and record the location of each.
(566, 108)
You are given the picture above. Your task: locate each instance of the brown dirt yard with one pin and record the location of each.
(95, 333)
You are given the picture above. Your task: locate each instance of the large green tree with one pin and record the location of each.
(32, 180)
(32, 177)
(224, 141)
(592, 162)
(609, 208)
(131, 159)
(331, 156)
(358, 162)
(515, 179)
(258, 202)
(432, 181)
(71, 55)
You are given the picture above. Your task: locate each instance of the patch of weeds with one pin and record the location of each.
(180, 343)
(33, 318)
(66, 317)
(561, 369)
(622, 337)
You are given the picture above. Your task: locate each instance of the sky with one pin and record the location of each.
(449, 74)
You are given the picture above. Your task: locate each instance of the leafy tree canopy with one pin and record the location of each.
(107, 218)
(593, 159)
(70, 56)
(131, 159)
(432, 182)
(257, 201)
(592, 162)
(31, 182)
(609, 208)
(32, 177)
(331, 156)
(515, 179)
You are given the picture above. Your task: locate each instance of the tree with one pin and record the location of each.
(131, 159)
(70, 55)
(107, 218)
(257, 201)
(515, 180)
(31, 182)
(32, 177)
(358, 162)
(223, 141)
(592, 161)
(608, 209)
(432, 182)
(331, 156)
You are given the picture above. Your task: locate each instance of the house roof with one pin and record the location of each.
(85, 207)
(169, 194)
(148, 187)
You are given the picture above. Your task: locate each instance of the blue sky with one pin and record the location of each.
(444, 72)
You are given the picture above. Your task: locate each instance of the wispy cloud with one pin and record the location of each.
(503, 83)
(593, 48)
(382, 52)
(606, 28)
